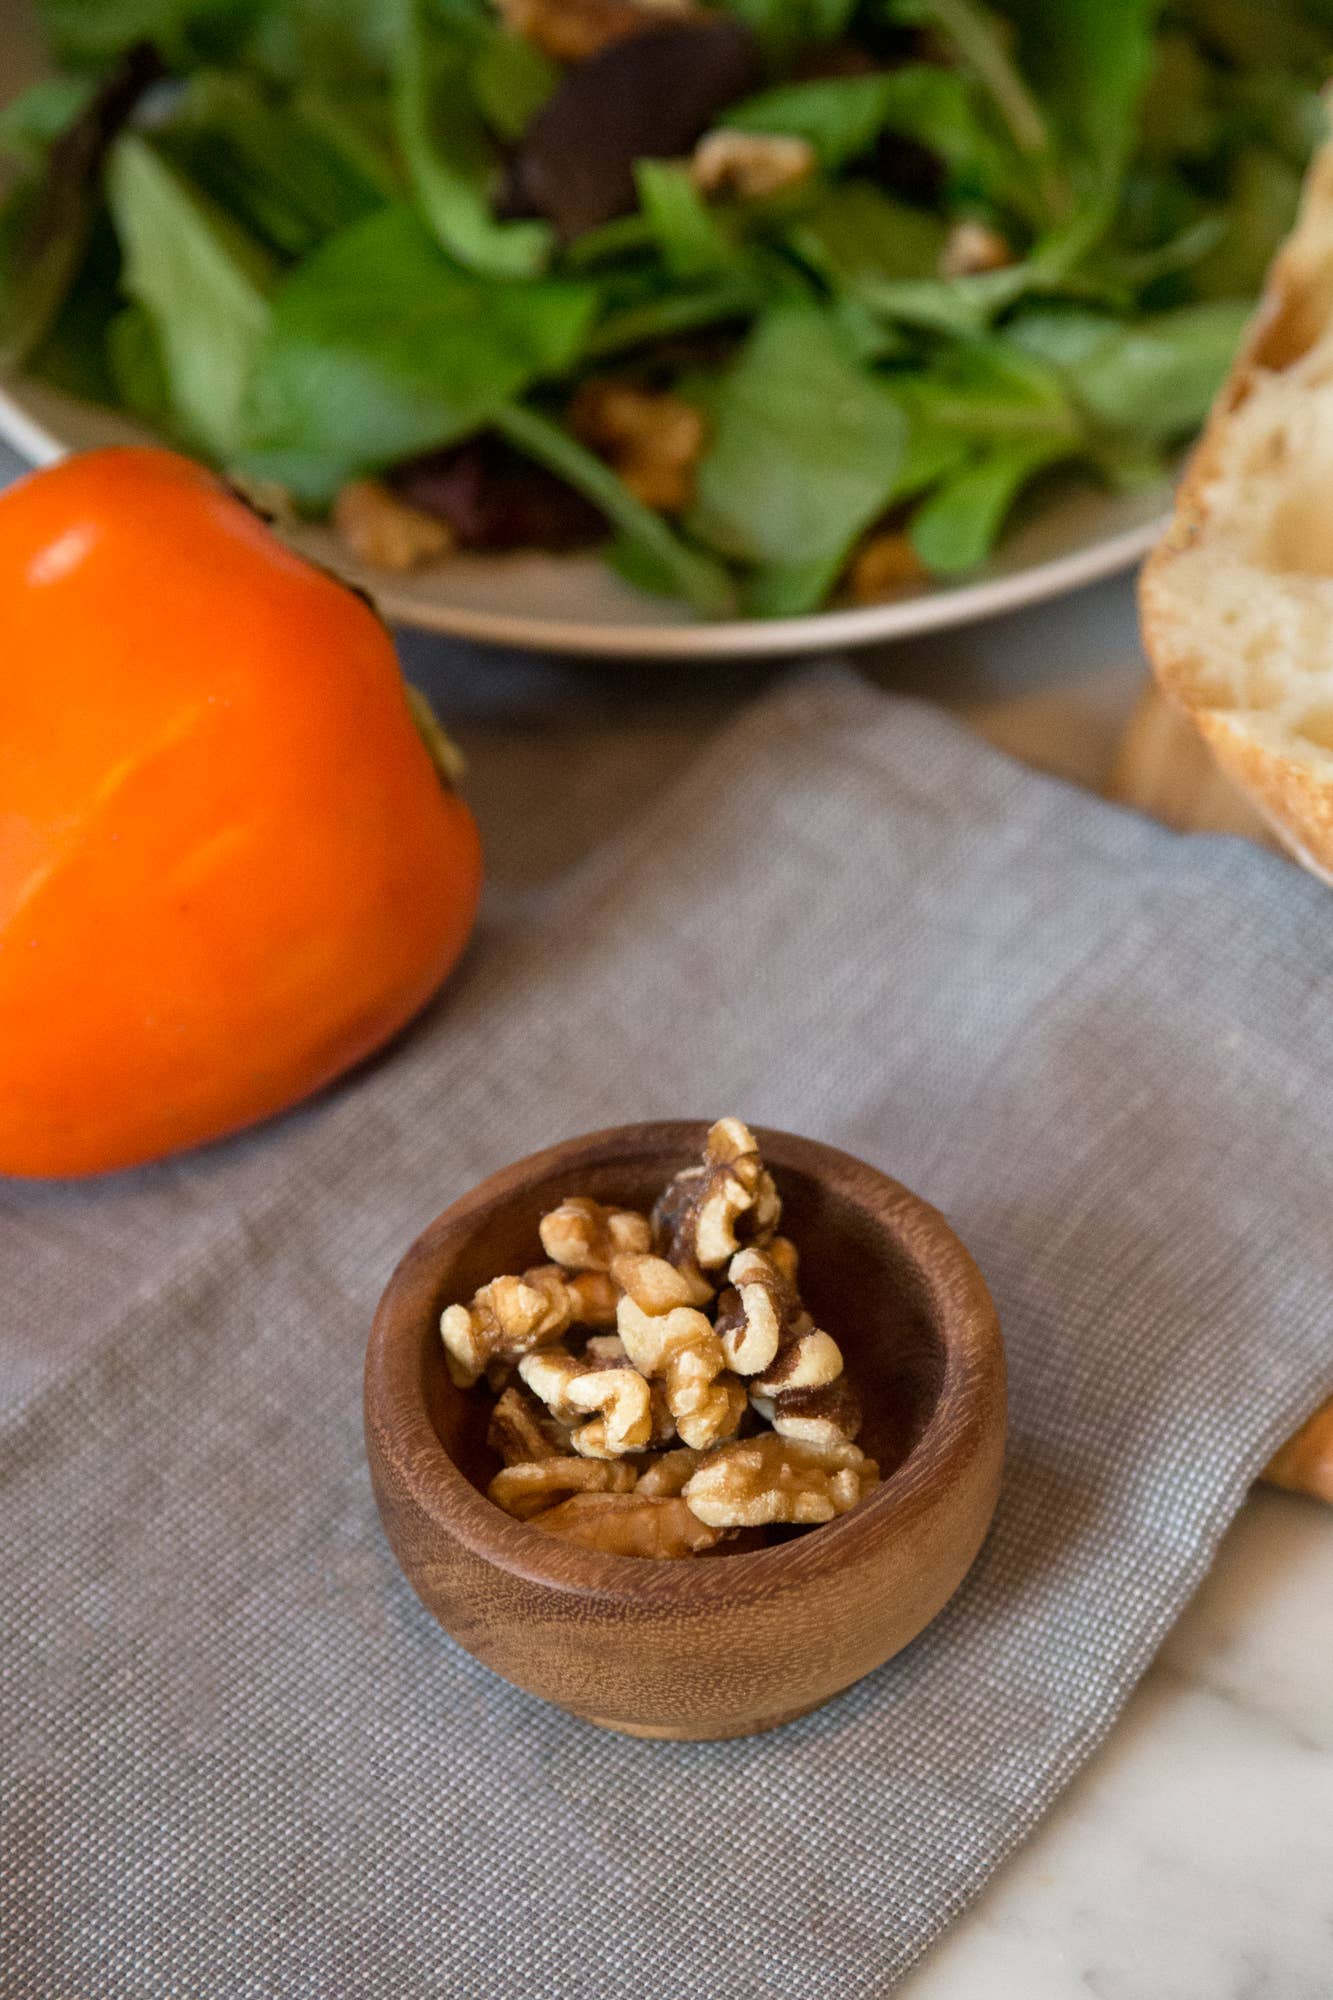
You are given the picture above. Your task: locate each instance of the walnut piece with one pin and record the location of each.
(769, 1479)
(573, 30)
(574, 1385)
(508, 1317)
(886, 562)
(583, 1235)
(750, 166)
(656, 1286)
(681, 1348)
(378, 528)
(971, 247)
(521, 1431)
(624, 1420)
(758, 1313)
(705, 1211)
(653, 439)
(630, 1524)
(667, 1475)
(829, 1414)
(525, 1490)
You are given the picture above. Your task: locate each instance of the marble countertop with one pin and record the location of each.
(1193, 1858)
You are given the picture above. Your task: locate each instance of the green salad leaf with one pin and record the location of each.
(451, 161)
(380, 347)
(201, 282)
(299, 236)
(806, 446)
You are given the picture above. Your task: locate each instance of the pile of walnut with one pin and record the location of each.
(716, 1406)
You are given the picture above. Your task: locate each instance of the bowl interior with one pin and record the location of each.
(856, 1277)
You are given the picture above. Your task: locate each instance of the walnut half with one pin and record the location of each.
(773, 1479)
(630, 1524)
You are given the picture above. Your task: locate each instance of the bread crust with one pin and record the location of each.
(1296, 311)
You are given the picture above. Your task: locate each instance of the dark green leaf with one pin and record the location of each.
(282, 176)
(806, 445)
(380, 348)
(956, 528)
(452, 163)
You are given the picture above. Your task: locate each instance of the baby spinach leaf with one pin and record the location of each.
(806, 445)
(956, 528)
(1155, 377)
(451, 162)
(203, 284)
(381, 347)
(661, 558)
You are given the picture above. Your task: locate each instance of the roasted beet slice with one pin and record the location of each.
(494, 499)
(647, 98)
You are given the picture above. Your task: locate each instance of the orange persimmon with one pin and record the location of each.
(228, 868)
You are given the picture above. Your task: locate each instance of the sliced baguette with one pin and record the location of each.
(1237, 599)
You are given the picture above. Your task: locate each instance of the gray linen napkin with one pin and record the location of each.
(239, 1758)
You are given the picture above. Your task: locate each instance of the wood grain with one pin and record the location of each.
(1166, 769)
(740, 1643)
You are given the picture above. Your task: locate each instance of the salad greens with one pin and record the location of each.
(309, 241)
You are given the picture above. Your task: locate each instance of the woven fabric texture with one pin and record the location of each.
(238, 1758)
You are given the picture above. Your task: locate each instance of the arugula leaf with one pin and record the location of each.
(991, 389)
(956, 528)
(806, 445)
(660, 559)
(886, 254)
(692, 240)
(451, 162)
(202, 283)
(842, 117)
(673, 313)
(286, 179)
(381, 347)
(1155, 377)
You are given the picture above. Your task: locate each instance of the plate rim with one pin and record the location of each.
(863, 625)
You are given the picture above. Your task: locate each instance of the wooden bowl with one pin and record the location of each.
(726, 1644)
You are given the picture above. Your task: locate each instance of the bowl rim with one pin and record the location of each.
(462, 1514)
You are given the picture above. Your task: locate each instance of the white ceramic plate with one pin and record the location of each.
(573, 604)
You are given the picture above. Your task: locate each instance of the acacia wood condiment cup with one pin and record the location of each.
(721, 1645)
